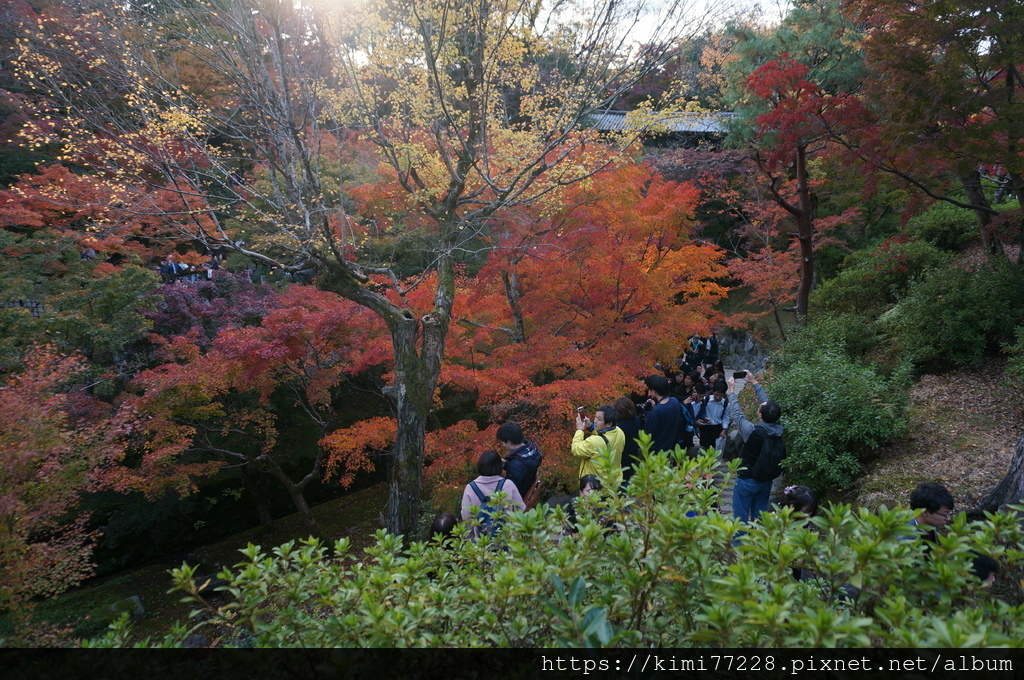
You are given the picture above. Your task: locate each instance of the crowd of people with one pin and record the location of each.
(694, 407)
(688, 413)
(172, 268)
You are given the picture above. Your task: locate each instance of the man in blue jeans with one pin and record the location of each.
(751, 494)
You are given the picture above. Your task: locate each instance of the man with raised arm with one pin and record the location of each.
(604, 436)
(762, 450)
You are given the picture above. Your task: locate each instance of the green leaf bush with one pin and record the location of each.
(836, 406)
(944, 225)
(652, 567)
(953, 315)
(848, 335)
(873, 280)
(84, 305)
(1015, 367)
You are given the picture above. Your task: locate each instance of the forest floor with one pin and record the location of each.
(962, 429)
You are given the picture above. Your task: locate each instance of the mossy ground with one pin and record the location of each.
(85, 612)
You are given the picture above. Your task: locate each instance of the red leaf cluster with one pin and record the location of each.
(52, 444)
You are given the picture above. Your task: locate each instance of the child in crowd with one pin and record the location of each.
(443, 525)
(800, 499)
(985, 568)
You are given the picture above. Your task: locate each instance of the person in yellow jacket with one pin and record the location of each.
(603, 434)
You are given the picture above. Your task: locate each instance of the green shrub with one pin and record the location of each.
(835, 409)
(944, 225)
(850, 335)
(952, 315)
(642, 571)
(874, 279)
(1015, 367)
(84, 305)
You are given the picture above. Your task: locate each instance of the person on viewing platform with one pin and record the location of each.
(630, 425)
(663, 415)
(490, 481)
(713, 418)
(804, 504)
(801, 499)
(698, 349)
(691, 407)
(985, 569)
(443, 526)
(523, 458)
(604, 435)
(589, 484)
(696, 398)
(762, 452)
(685, 389)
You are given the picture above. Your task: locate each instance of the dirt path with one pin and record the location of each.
(963, 428)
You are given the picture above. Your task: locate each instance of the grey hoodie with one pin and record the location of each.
(752, 449)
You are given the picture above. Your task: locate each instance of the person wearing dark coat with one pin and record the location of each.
(751, 496)
(629, 423)
(663, 415)
(523, 459)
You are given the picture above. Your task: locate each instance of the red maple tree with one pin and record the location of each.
(802, 117)
(572, 307)
(53, 441)
(217, 402)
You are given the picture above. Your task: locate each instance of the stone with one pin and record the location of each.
(196, 641)
(132, 605)
(739, 350)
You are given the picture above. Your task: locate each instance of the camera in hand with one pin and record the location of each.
(739, 375)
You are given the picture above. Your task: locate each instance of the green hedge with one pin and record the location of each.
(850, 335)
(872, 280)
(944, 225)
(656, 567)
(953, 315)
(836, 405)
(1015, 367)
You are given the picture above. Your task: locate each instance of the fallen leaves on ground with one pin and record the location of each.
(963, 429)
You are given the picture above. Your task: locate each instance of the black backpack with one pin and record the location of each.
(687, 426)
(488, 516)
(768, 465)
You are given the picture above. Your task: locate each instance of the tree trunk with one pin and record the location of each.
(511, 282)
(415, 379)
(1009, 491)
(976, 196)
(778, 322)
(804, 215)
(1017, 186)
(297, 493)
(256, 484)
(412, 392)
(299, 500)
(1014, 179)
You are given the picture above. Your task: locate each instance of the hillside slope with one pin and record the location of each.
(963, 426)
